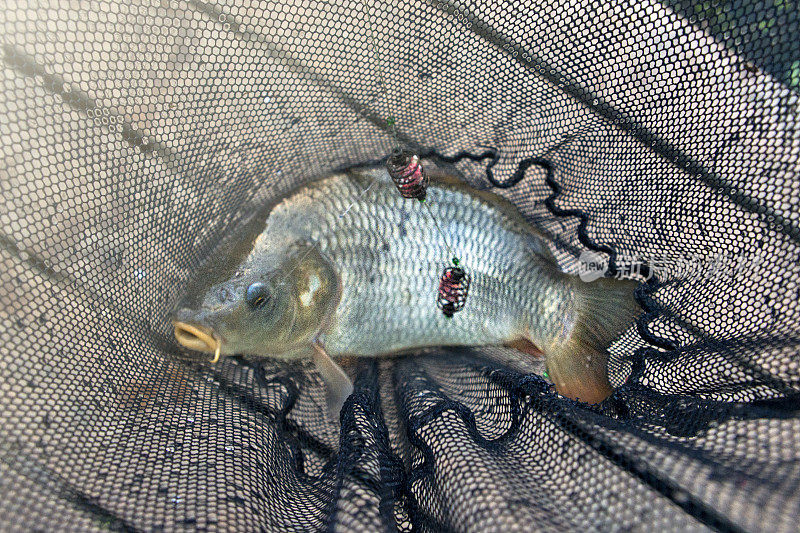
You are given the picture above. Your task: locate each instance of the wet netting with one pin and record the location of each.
(660, 137)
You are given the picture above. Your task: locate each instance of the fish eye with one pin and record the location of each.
(257, 295)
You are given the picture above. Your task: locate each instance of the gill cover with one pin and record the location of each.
(314, 287)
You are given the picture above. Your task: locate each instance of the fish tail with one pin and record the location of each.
(579, 366)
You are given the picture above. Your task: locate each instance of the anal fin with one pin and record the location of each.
(580, 372)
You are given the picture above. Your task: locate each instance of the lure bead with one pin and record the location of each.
(408, 175)
(453, 290)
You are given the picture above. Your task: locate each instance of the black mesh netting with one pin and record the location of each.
(137, 138)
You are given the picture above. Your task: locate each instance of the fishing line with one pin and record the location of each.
(377, 63)
(453, 256)
(406, 171)
(409, 177)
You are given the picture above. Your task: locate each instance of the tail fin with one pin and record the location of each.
(579, 366)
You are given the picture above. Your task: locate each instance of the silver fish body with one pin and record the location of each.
(389, 254)
(354, 268)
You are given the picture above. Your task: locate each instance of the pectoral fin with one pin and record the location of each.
(337, 384)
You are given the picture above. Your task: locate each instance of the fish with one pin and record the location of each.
(345, 267)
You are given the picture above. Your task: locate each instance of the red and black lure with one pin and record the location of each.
(408, 175)
(453, 290)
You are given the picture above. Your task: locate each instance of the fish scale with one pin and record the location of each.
(399, 311)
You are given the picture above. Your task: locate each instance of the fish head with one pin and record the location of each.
(275, 302)
(249, 315)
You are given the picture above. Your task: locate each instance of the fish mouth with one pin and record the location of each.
(197, 337)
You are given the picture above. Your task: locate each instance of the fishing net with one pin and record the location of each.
(658, 139)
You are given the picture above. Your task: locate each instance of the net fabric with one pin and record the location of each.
(138, 138)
